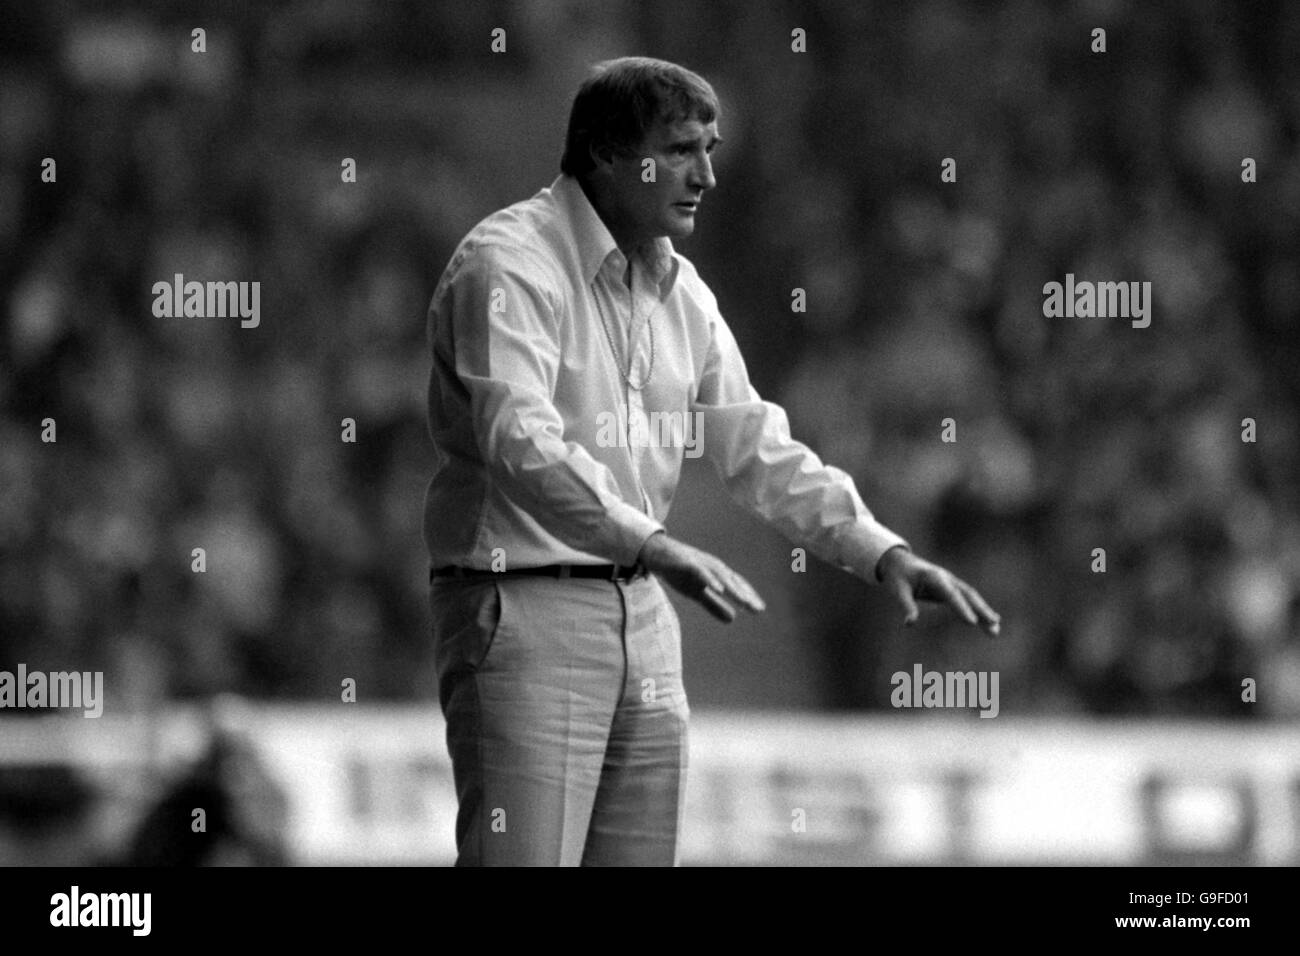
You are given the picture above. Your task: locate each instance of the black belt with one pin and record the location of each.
(600, 572)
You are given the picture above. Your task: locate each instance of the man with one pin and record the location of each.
(558, 652)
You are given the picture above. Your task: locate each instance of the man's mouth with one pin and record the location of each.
(691, 205)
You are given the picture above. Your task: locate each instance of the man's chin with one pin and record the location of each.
(682, 228)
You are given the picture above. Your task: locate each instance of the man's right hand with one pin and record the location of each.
(699, 575)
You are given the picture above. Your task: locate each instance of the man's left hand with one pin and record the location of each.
(910, 579)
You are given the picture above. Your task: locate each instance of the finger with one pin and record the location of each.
(727, 583)
(903, 592)
(989, 618)
(743, 591)
(715, 605)
(706, 577)
(953, 597)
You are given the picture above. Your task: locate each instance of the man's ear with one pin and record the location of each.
(602, 156)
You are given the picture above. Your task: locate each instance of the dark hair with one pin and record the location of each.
(622, 99)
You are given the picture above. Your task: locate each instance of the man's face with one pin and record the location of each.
(683, 171)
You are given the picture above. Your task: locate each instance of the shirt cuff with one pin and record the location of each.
(632, 528)
(861, 545)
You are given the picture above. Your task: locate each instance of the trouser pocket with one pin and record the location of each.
(466, 618)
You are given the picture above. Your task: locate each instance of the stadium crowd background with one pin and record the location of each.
(924, 302)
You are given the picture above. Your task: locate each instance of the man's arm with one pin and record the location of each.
(784, 482)
(775, 477)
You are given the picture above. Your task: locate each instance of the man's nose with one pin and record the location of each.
(702, 173)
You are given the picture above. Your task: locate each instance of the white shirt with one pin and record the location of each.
(537, 449)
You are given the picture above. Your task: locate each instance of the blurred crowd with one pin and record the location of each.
(924, 303)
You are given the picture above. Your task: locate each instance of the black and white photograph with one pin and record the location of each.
(548, 433)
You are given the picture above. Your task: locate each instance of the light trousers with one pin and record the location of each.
(566, 719)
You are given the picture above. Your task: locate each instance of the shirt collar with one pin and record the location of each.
(595, 243)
